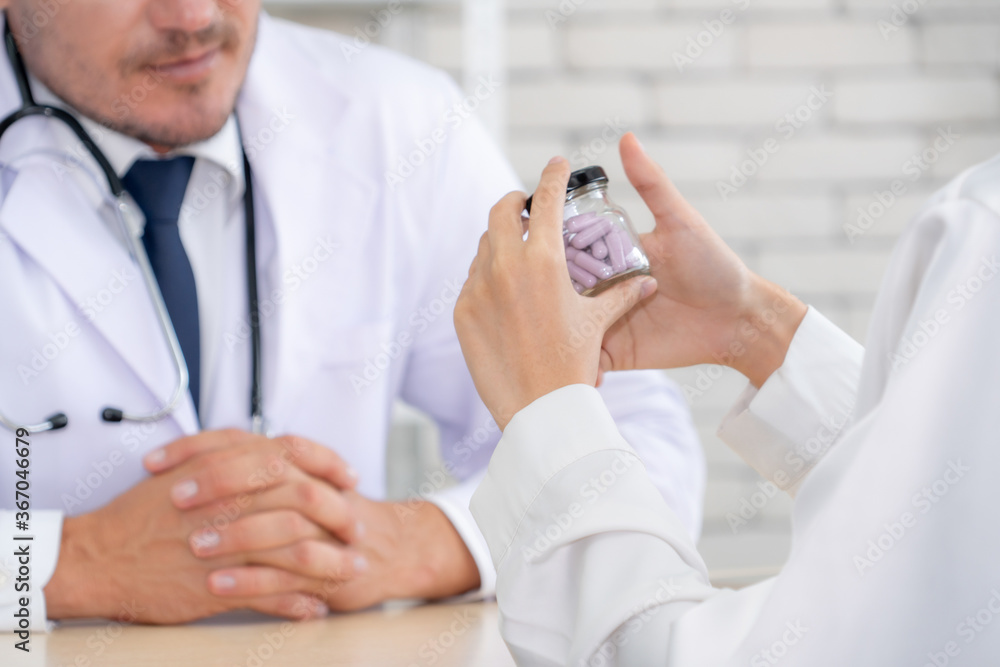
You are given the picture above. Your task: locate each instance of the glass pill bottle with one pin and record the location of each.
(602, 248)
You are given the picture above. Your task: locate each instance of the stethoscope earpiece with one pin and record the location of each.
(58, 421)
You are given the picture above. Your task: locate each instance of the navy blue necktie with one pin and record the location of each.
(158, 188)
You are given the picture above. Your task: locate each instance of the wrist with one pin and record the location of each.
(765, 329)
(74, 591)
(434, 561)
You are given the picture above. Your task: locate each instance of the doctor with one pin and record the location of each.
(891, 452)
(368, 176)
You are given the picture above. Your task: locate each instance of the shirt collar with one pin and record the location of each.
(224, 149)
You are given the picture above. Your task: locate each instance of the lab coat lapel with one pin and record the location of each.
(57, 227)
(290, 119)
(50, 220)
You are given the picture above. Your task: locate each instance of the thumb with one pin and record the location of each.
(651, 182)
(611, 305)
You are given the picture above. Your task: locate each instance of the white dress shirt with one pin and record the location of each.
(327, 134)
(893, 454)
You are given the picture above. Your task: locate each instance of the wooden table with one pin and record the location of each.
(441, 635)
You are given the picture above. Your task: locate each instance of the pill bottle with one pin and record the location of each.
(602, 248)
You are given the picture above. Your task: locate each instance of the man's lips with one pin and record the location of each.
(189, 69)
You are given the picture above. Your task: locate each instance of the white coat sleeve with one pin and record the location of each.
(894, 552)
(786, 427)
(593, 567)
(468, 177)
(17, 587)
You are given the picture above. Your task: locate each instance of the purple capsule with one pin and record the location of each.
(572, 252)
(593, 233)
(578, 287)
(594, 266)
(599, 249)
(581, 276)
(616, 252)
(580, 222)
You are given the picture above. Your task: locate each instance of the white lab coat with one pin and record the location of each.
(371, 324)
(895, 556)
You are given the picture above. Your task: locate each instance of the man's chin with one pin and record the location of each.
(171, 134)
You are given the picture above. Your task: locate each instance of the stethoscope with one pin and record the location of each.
(130, 218)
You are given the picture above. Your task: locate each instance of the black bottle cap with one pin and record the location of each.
(577, 180)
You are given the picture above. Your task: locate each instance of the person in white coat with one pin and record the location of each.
(371, 180)
(891, 452)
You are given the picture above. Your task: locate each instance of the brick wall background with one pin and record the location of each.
(581, 69)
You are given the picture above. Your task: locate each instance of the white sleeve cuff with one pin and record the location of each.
(786, 427)
(26, 566)
(454, 502)
(542, 439)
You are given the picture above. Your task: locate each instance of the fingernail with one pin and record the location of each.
(359, 529)
(155, 458)
(223, 581)
(321, 609)
(557, 159)
(205, 540)
(352, 473)
(360, 564)
(648, 286)
(184, 490)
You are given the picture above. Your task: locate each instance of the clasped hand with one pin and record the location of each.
(228, 520)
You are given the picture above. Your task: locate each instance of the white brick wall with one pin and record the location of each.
(891, 92)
